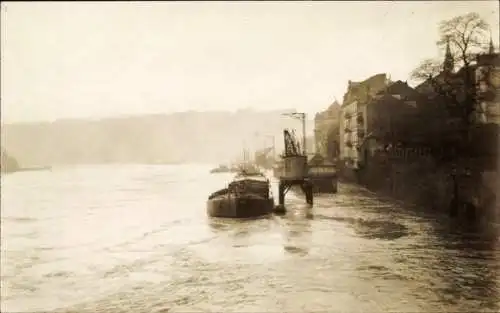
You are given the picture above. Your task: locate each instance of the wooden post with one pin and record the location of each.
(282, 188)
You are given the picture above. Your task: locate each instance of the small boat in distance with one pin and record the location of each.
(223, 169)
(247, 195)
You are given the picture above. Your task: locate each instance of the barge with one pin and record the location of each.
(247, 195)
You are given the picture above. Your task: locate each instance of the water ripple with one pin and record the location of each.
(136, 238)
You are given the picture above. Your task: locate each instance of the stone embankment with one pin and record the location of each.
(442, 188)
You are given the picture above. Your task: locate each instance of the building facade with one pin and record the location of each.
(487, 76)
(392, 112)
(351, 131)
(447, 87)
(353, 116)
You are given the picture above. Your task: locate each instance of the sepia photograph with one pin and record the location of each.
(250, 156)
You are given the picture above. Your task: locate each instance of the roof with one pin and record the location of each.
(250, 177)
(372, 80)
(332, 110)
(384, 97)
(488, 59)
(445, 78)
(360, 90)
(398, 88)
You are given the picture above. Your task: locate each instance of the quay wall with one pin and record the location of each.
(420, 180)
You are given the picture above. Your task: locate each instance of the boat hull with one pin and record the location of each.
(239, 206)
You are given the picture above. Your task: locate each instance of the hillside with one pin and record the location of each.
(8, 163)
(204, 137)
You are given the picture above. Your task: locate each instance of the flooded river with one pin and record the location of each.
(136, 239)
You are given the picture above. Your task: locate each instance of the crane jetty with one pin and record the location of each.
(249, 193)
(293, 171)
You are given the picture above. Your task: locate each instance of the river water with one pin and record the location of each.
(135, 238)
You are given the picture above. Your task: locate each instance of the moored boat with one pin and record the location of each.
(323, 175)
(224, 169)
(220, 169)
(248, 195)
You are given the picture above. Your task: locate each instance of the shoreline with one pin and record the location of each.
(27, 169)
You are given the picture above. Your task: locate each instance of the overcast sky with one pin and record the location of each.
(92, 59)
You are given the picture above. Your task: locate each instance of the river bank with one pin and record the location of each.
(443, 188)
(27, 169)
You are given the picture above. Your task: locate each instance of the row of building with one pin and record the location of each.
(377, 111)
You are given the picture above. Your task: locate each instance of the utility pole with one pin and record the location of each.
(273, 138)
(245, 151)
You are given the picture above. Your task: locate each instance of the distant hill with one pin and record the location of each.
(204, 137)
(8, 163)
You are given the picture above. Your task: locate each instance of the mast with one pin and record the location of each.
(244, 151)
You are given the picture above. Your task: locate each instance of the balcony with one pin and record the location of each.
(347, 115)
(347, 129)
(349, 143)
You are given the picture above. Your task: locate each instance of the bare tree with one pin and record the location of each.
(463, 37)
(427, 69)
(466, 35)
